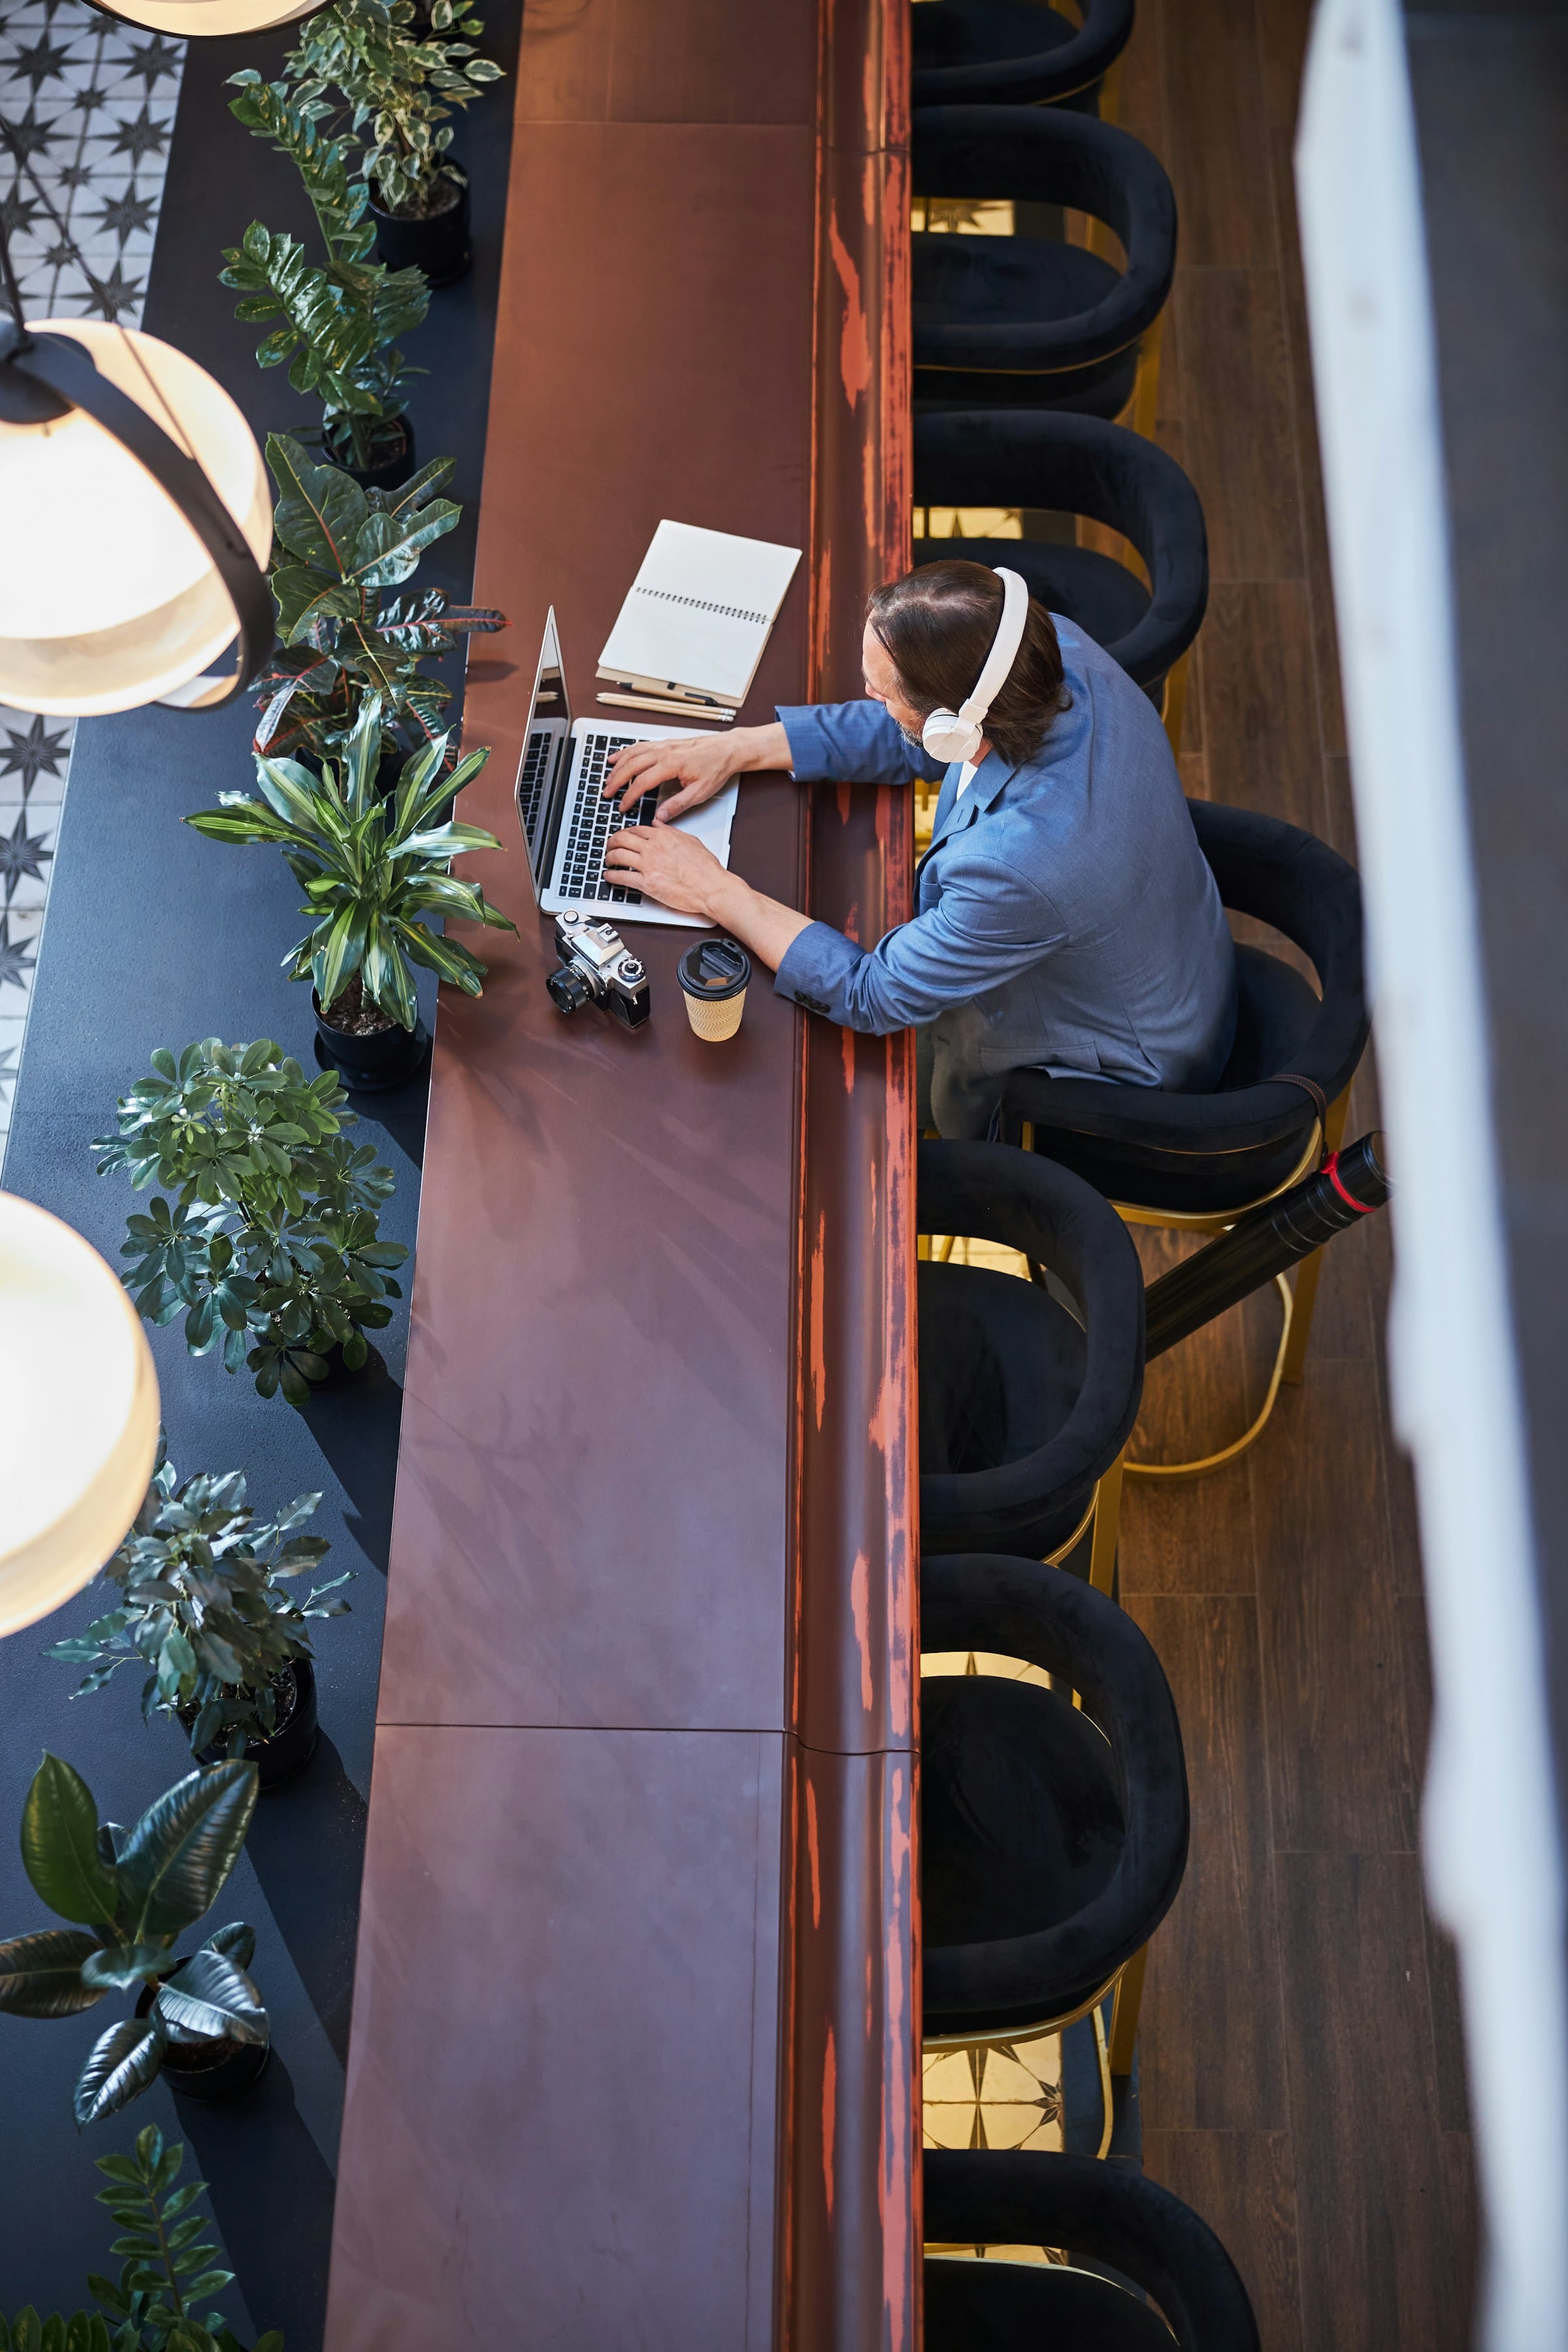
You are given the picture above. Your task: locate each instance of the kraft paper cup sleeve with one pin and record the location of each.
(714, 978)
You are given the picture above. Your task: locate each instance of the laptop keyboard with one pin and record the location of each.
(531, 780)
(582, 870)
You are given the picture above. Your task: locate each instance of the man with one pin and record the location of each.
(1066, 918)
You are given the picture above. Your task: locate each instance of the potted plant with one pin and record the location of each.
(402, 81)
(373, 868)
(337, 550)
(131, 1894)
(338, 321)
(164, 2279)
(271, 1243)
(205, 1604)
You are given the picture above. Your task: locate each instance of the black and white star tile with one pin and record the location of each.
(87, 112)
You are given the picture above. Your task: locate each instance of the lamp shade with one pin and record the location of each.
(195, 19)
(79, 1412)
(108, 597)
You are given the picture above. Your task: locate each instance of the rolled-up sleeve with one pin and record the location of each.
(851, 744)
(989, 925)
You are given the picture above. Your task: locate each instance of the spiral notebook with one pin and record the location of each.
(698, 615)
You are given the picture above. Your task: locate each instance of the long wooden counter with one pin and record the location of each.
(633, 2057)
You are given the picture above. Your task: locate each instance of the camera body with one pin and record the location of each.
(597, 968)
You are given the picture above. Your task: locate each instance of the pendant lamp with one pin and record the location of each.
(200, 19)
(79, 1412)
(137, 522)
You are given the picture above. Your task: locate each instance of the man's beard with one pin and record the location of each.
(914, 742)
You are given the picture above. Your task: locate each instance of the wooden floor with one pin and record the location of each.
(1301, 2067)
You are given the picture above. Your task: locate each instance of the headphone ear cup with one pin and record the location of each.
(947, 736)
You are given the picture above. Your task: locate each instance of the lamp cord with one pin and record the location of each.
(22, 340)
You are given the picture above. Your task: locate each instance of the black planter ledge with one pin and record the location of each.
(154, 938)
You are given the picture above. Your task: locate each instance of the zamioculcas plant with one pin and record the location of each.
(338, 321)
(401, 85)
(372, 870)
(204, 1604)
(271, 1245)
(337, 549)
(164, 2279)
(132, 1893)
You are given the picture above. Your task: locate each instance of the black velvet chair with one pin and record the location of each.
(1024, 1408)
(1032, 321)
(1053, 1837)
(1197, 1162)
(1016, 52)
(1095, 2212)
(1081, 465)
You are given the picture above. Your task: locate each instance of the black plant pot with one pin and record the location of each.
(374, 1063)
(437, 243)
(293, 1743)
(224, 2070)
(393, 460)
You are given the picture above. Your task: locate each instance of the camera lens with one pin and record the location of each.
(569, 992)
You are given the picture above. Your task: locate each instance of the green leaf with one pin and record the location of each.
(182, 1849)
(119, 1967)
(41, 1975)
(236, 1943)
(59, 1846)
(210, 1995)
(120, 2066)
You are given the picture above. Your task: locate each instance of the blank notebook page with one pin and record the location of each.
(698, 612)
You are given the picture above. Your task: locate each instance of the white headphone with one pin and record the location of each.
(952, 735)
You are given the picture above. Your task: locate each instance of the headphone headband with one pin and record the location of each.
(957, 735)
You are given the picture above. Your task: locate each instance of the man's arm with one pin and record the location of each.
(847, 742)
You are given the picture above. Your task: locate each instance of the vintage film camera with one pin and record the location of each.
(597, 968)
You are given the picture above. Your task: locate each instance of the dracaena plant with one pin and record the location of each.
(372, 870)
(207, 1605)
(271, 1245)
(337, 322)
(337, 551)
(131, 1894)
(401, 85)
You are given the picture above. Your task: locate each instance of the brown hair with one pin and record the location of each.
(938, 623)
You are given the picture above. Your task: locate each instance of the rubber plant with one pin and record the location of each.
(131, 1894)
(401, 85)
(337, 549)
(271, 1245)
(205, 1605)
(338, 321)
(166, 2275)
(372, 869)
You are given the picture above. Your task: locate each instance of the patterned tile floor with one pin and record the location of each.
(86, 111)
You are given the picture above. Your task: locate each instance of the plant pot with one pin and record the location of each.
(293, 1743)
(393, 462)
(222, 2069)
(375, 1062)
(437, 243)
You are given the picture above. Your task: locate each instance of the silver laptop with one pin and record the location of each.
(566, 820)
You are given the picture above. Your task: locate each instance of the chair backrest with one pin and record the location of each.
(1020, 1609)
(1250, 1129)
(1044, 77)
(1101, 2211)
(992, 1193)
(1046, 156)
(1048, 459)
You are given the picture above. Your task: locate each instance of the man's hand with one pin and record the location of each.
(669, 866)
(699, 765)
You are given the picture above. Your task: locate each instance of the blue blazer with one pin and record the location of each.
(1066, 918)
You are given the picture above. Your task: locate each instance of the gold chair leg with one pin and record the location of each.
(1107, 1527)
(1173, 706)
(1111, 92)
(1146, 384)
(1249, 1436)
(1294, 1368)
(1124, 2009)
(1107, 2090)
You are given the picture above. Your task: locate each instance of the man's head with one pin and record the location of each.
(927, 637)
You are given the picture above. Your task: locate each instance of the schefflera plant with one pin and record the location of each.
(272, 1245)
(372, 867)
(130, 1894)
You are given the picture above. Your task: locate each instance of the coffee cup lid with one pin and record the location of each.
(715, 969)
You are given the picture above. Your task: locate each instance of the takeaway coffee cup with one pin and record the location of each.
(713, 976)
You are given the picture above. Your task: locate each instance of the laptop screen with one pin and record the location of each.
(541, 771)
